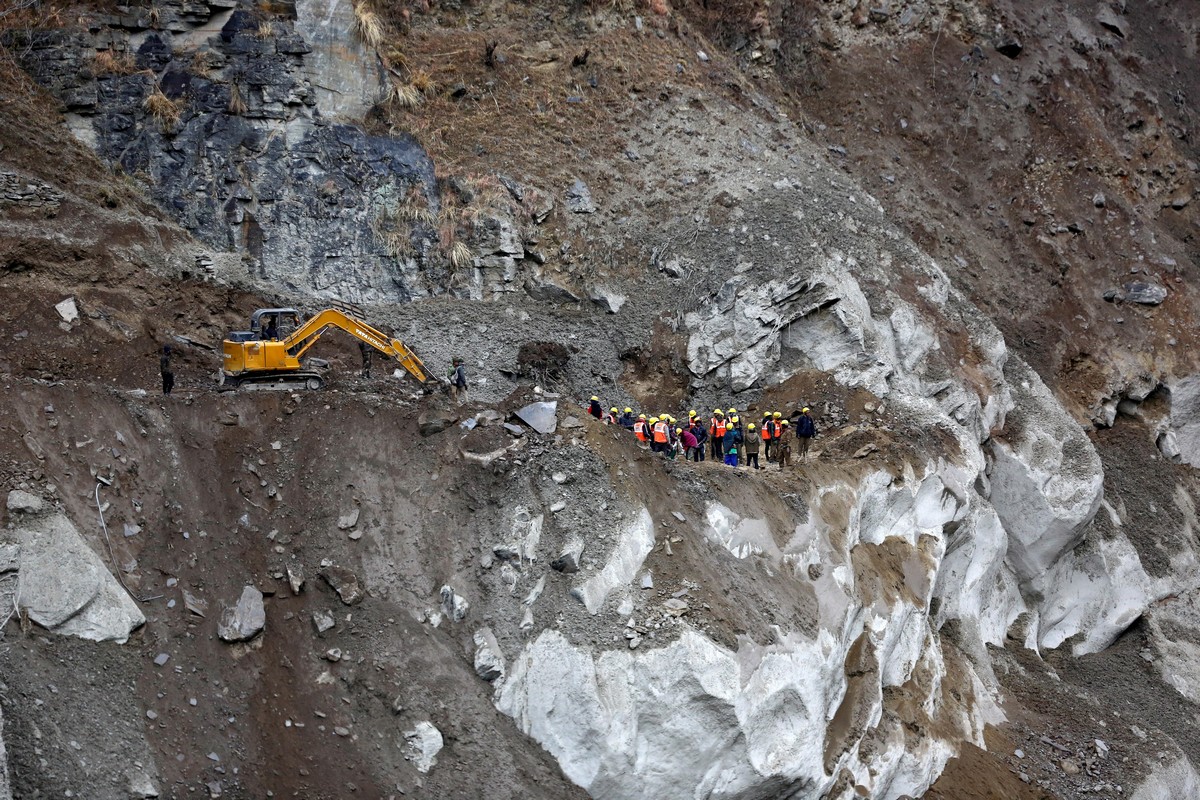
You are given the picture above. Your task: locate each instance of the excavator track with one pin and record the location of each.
(273, 382)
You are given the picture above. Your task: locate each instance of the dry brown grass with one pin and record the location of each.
(368, 26)
(265, 30)
(166, 112)
(423, 82)
(460, 256)
(237, 103)
(403, 95)
(106, 62)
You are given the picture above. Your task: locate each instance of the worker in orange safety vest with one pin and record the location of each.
(641, 428)
(716, 434)
(661, 436)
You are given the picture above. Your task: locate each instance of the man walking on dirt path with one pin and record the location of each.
(806, 429)
(458, 381)
(164, 368)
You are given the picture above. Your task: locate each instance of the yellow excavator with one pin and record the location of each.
(269, 355)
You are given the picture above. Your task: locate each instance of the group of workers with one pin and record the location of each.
(728, 438)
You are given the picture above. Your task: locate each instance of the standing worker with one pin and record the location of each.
(768, 433)
(716, 429)
(700, 434)
(164, 368)
(365, 351)
(806, 429)
(659, 428)
(594, 408)
(611, 417)
(458, 381)
(732, 439)
(784, 445)
(751, 446)
(627, 418)
(692, 448)
(641, 429)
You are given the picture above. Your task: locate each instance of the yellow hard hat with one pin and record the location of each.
(785, 422)
(613, 409)
(718, 412)
(805, 409)
(679, 430)
(595, 398)
(733, 411)
(670, 418)
(734, 419)
(750, 426)
(777, 414)
(766, 413)
(641, 416)
(628, 410)
(654, 419)
(692, 413)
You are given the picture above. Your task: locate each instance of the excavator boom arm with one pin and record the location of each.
(307, 335)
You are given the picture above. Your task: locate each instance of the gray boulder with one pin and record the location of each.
(435, 421)
(489, 661)
(345, 583)
(245, 620)
(608, 299)
(24, 503)
(454, 605)
(1148, 294)
(579, 198)
(66, 588)
(542, 417)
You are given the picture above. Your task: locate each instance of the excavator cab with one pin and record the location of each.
(269, 354)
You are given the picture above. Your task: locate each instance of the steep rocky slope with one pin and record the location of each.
(992, 555)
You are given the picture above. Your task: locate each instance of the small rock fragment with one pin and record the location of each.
(345, 583)
(245, 620)
(322, 620)
(454, 606)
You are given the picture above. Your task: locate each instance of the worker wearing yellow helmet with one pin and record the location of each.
(594, 408)
(806, 429)
(783, 444)
(716, 434)
(626, 419)
(611, 417)
(750, 446)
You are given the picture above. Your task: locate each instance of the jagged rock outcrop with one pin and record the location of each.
(248, 130)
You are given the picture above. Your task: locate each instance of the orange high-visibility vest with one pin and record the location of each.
(767, 431)
(717, 427)
(660, 432)
(639, 429)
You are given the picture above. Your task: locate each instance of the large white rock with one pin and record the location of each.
(634, 543)
(1046, 478)
(1172, 781)
(1185, 419)
(65, 586)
